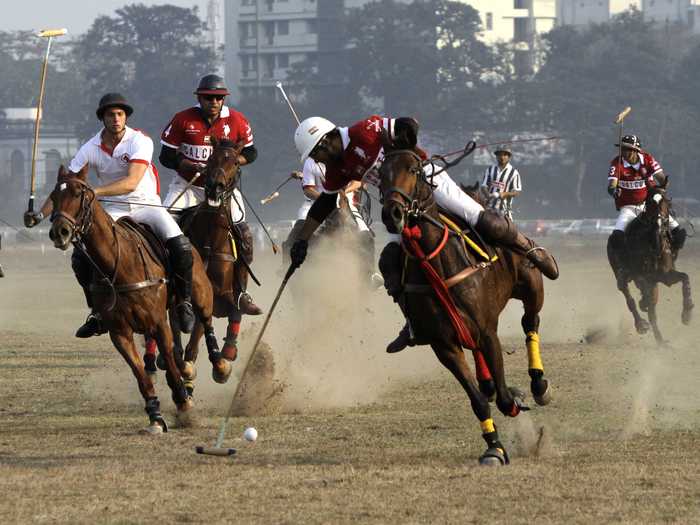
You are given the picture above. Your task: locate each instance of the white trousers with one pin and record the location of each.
(631, 211)
(450, 197)
(160, 221)
(195, 195)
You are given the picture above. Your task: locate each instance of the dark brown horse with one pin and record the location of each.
(650, 260)
(129, 288)
(475, 290)
(212, 231)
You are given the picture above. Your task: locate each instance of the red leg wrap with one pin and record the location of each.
(482, 370)
(151, 346)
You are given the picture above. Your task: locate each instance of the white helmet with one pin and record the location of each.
(309, 133)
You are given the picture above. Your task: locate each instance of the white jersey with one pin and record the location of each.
(313, 176)
(502, 180)
(110, 166)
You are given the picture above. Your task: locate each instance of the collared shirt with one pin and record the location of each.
(502, 180)
(190, 134)
(113, 165)
(633, 179)
(362, 153)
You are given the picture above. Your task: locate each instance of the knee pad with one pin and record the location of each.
(496, 227)
(390, 268)
(616, 241)
(246, 241)
(81, 267)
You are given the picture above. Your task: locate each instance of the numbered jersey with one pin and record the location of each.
(633, 179)
(190, 134)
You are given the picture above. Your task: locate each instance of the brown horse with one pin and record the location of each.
(129, 288)
(650, 260)
(459, 306)
(212, 231)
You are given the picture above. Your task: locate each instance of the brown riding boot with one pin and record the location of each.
(500, 230)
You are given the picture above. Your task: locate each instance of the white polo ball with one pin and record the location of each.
(250, 434)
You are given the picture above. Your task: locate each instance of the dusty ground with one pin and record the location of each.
(356, 435)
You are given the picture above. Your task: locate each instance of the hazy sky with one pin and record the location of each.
(76, 15)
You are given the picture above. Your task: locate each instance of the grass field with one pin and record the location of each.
(356, 435)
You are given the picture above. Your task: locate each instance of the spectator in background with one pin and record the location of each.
(502, 182)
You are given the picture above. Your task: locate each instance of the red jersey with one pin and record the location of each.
(633, 179)
(190, 134)
(362, 145)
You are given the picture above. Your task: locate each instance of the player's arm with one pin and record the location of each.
(353, 186)
(311, 192)
(613, 190)
(127, 184)
(248, 155)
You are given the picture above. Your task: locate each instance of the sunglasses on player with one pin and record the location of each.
(211, 98)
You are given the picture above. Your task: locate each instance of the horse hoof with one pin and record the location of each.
(493, 457)
(546, 397)
(189, 371)
(154, 429)
(642, 327)
(221, 371)
(229, 352)
(687, 316)
(186, 405)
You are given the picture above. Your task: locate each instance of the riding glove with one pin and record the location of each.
(298, 252)
(32, 218)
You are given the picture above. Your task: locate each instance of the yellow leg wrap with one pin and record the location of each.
(534, 360)
(487, 426)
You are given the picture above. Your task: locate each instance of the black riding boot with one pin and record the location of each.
(617, 256)
(180, 257)
(244, 302)
(83, 273)
(390, 267)
(500, 230)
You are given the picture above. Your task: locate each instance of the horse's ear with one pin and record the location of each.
(83, 173)
(62, 172)
(240, 145)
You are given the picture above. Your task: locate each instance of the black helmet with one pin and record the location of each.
(212, 85)
(113, 100)
(630, 142)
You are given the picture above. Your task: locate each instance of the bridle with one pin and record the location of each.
(408, 203)
(212, 175)
(82, 222)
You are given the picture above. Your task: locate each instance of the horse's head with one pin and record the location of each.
(402, 184)
(657, 211)
(222, 170)
(72, 199)
(476, 191)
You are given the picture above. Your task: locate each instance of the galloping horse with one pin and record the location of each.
(130, 287)
(453, 300)
(651, 261)
(212, 231)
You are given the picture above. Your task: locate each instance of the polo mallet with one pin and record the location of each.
(620, 119)
(286, 98)
(275, 193)
(47, 33)
(189, 185)
(217, 450)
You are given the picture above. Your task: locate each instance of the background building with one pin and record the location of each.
(683, 12)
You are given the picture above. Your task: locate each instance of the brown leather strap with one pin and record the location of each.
(129, 287)
(450, 282)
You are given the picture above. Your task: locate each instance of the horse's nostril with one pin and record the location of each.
(396, 214)
(64, 232)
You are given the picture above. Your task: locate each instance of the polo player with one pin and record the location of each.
(355, 153)
(121, 159)
(629, 179)
(186, 146)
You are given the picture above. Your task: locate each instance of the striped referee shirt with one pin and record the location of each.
(501, 180)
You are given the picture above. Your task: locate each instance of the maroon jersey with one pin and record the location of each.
(633, 179)
(190, 134)
(362, 144)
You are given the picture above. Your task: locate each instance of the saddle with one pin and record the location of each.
(154, 246)
(473, 244)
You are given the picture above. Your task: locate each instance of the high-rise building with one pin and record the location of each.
(515, 21)
(683, 12)
(264, 38)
